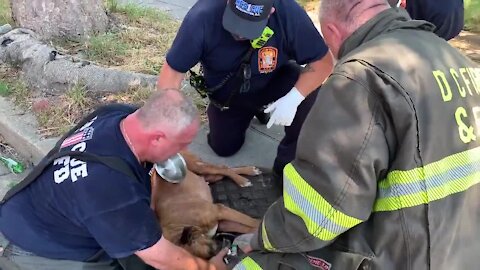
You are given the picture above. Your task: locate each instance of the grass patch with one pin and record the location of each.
(108, 49)
(4, 89)
(5, 12)
(472, 15)
(57, 115)
(20, 94)
(137, 13)
(111, 5)
(13, 87)
(138, 42)
(135, 95)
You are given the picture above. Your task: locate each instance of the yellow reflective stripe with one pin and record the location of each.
(435, 181)
(450, 188)
(402, 177)
(312, 226)
(320, 217)
(432, 169)
(247, 264)
(266, 243)
(433, 194)
(395, 203)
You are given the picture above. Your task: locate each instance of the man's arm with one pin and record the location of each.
(331, 185)
(169, 78)
(314, 74)
(165, 255)
(306, 46)
(186, 50)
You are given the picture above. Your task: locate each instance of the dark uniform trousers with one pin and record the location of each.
(228, 127)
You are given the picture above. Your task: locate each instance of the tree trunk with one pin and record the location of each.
(73, 19)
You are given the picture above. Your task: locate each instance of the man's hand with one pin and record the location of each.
(284, 109)
(166, 255)
(217, 260)
(243, 242)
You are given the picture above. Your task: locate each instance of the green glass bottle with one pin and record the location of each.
(13, 165)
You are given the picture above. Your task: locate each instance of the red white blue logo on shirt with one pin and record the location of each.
(79, 137)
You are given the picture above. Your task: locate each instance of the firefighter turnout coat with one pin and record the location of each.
(388, 160)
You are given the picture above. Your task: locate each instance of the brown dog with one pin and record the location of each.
(186, 211)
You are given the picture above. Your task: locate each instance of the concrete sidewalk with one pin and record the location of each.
(260, 147)
(177, 8)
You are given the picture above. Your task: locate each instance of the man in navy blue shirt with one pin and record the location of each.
(263, 41)
(83, 214)
(446, 15)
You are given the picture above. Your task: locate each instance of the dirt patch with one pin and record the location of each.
(469, 44)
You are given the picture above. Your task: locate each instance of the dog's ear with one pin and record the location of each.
(187, 235)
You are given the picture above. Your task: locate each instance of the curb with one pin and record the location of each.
(19, 129)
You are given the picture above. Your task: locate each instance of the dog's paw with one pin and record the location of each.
(246, 184)
(257, 171)
(247, 170)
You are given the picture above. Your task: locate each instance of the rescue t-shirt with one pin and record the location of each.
(202, 38)
(76, 208)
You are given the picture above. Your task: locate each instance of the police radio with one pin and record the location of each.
(262, 40)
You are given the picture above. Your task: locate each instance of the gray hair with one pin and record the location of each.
(168, 107)
(347, 13)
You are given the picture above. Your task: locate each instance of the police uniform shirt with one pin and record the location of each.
(75, 208)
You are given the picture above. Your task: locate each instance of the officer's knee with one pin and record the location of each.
(224, 147)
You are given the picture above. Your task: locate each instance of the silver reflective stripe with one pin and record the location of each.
(315, 215)
(420, 185)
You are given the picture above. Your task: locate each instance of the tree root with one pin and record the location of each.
(47, 70)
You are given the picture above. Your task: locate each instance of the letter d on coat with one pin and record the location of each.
(443, 85)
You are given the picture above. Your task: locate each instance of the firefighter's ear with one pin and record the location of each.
(333, 36)
(271, 12)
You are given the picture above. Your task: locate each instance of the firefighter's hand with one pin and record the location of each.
(284, 109)
(217, 260)
(243, 242)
